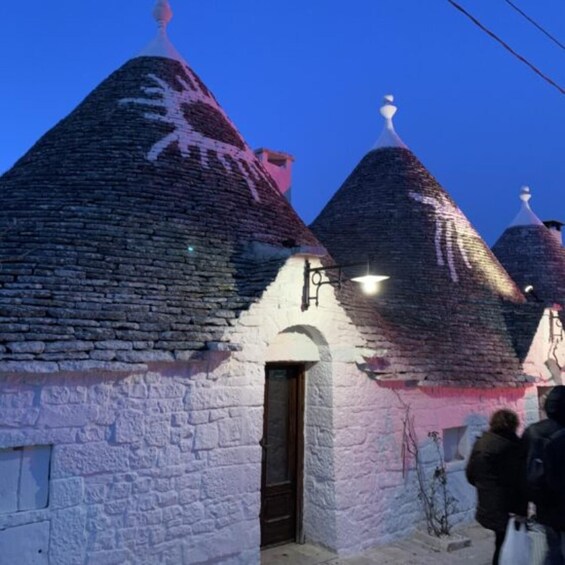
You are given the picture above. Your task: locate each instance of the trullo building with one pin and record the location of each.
(168, 391)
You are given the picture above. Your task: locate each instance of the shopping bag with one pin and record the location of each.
(517, 546)
(539, 544)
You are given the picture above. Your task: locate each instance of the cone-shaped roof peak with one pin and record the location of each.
(526, 216)
(389, 137)
(161, 45)
(532, 255)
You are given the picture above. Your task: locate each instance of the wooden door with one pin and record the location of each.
(281, 484)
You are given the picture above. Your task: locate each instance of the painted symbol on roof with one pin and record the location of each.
(182, 108)
(451, 224)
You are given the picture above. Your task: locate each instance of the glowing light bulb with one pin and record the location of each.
(370, 283)
(370, 287)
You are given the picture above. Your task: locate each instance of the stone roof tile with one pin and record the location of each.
(442, 309)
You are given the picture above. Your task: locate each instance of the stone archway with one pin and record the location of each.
(307, 346)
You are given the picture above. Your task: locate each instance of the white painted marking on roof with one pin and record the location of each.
(526, 216)
(163, 96)
(389, 137)
(450, 224)
(449, 247)
(225, 163)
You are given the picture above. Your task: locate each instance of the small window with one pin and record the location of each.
(24, 478)
(454, 444)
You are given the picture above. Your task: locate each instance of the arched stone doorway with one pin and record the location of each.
(297, 492)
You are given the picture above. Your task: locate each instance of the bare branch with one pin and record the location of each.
(437, 502)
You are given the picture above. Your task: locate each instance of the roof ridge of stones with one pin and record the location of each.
(129, 229)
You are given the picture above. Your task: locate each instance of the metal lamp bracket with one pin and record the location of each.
(313, 276)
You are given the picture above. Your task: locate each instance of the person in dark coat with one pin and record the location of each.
(497, 469)
(550, 502)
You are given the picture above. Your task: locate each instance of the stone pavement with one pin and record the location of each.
(403, 552)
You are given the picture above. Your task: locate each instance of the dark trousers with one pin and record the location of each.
(555, 547)
(498, 541)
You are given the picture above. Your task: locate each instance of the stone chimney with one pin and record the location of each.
(279, 166)
(554, 226)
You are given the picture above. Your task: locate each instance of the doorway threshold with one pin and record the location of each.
(296, 554)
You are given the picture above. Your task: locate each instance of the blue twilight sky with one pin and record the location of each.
(307, 77)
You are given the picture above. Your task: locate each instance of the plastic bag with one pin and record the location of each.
(539, 544)
(517, 546)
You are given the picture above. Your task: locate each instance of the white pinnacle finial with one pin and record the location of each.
(388, 109)
(525, 194)
(161, 45)
(389, 137)
(163, 13)
(525, 216)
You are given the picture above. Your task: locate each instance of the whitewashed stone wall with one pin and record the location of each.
(164, 466)
(144, 470)
(547, 353)
(355, 494)
(375, 503)
(339, 346)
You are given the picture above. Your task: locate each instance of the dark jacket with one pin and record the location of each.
(497, 469)
(550, 506)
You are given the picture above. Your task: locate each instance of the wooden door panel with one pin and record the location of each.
(282, 446)
(279, 506)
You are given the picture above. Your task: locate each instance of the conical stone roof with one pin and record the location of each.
(443, 304)
(534, 257)
(128, 230)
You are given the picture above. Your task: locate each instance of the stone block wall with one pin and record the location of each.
(376, 501)
(145, 469)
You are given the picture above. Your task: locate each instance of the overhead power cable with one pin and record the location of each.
(533, 22)
(506, 46)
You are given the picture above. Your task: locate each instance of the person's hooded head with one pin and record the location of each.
(555, 404)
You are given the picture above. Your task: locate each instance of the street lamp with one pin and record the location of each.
(313, 276)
